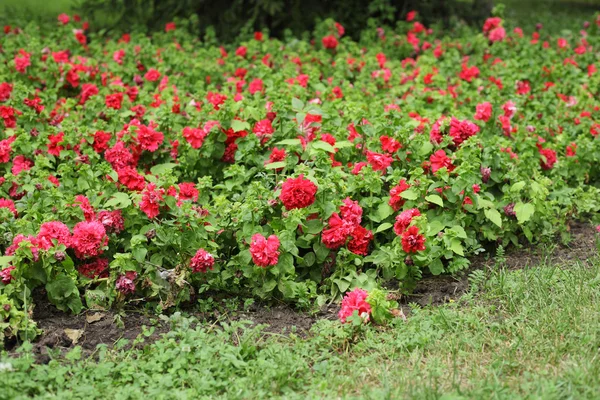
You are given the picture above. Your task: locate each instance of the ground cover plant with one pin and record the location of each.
(529, 333)
(152, 169)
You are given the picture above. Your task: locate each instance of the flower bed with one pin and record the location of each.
(153, 169)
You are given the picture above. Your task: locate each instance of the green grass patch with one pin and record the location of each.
(524, 334)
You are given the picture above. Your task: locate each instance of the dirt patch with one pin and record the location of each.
(100, 327)
(62, 331)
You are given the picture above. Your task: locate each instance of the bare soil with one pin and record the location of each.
(62, 331)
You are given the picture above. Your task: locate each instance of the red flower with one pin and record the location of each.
(337, 232)
(389, 145)
(202, 261)
(119, 156)
(129, 177)
(149, 139)
(351, 211)
(194, 136)
(548, 158)
(152, 75)
(404, 219)
(329, 42)
(88, 239)
(84, 203)
(263, 128)
(6, 149)
(396, 201)
(101, 140)
(5, 91)
(112, 220)
(483, 111)
(97, 268)
(53, 147)
(8, 114)
(360, 240)
(8, 203)
(188, 191)
(439, 160)
(151, 198)
(298, 193)
(379, 162)
(462, 130)
(412, 241)
(265, 252)
(355, 300)
(20, 163)
(51, 231)
(88, 90)
(255, 86)
(170, 26)
(114, 100)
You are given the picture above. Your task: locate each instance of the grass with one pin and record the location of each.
(37, 7)
(531, 333)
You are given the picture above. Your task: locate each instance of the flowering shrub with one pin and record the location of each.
(157, 168)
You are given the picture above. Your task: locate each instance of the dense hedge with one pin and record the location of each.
(229, 18)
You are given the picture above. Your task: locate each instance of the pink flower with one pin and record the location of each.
(125, 284)
(53, 231)
(88, 239)
(355, 300)
(379, 162)
(462, 130)
(351, 211)
(439, 160)
(8, 203)
(404, 219)
(5, 274)
(265, 252)
(483, 111)
(112, 220)
(202, 261)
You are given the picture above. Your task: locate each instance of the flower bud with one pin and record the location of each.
(151, 234)
(485, 174)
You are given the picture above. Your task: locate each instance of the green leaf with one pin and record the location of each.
(161, 168)
(425, 149)
(5, 260)
(275, 165)
(297, 104)
(238, 125)
(286, 264)
(321, 145)
(436, 267)
(383, 227)
(493, 215)
(342, 284)
(343, 144)
(118, 200)
(435, 227)
(517, 187)
(409, 194)
(290, 142)
(457, 247)
(63, 293)
(524, 211)
(435, 199)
